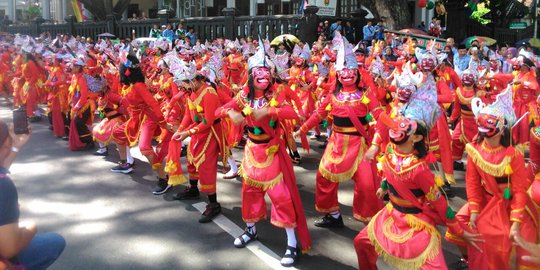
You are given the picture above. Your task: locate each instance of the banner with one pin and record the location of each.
(326, 7)
(80, 13)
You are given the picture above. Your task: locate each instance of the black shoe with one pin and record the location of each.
(162, 187)
(329, 221)
(183, 153)
(188, 194)
(293, 254)
(122, 168)
(459, 166)
(448, 192)
(212, 210)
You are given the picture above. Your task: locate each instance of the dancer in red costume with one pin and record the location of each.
(352, 108)
(497, 186)
(145, 121)
(462, 119)
(207, 139)
(526, 90)
(404, 234)
(57, 87)
(266, 167)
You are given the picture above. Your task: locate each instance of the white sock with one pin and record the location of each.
(129, 158)
(37, 112)
(335, 214)
(291, 242)
(251, 229)
(232, 163)
(101, 145)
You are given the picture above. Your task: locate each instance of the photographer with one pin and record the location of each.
(19, 243)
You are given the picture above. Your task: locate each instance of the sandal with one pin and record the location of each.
(293, 254)
(243, 242)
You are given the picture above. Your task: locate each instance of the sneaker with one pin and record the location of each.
(212, 210)
(122, 168)
(459, 166)
(102, 152)
(188, 194)
(448, 192)
(162, 187)
(329, 221)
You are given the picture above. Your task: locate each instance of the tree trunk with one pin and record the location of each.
(396, 12)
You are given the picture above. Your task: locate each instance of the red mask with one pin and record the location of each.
(482, 84)
(402, 129)
(468, 79)
(427, 64)
(488, 125)
(261, 77)
(494, 65)
(347, 77)
(298, 61)
(404, 93)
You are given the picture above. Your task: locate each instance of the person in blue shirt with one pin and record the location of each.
(462, 59)
(369, 32)
(349, 31)
(335, 27)
(379, 30)
(192, 37)
(168, 33)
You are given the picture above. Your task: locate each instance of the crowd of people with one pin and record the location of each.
(385, 108)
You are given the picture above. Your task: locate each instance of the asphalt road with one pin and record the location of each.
(112, 221)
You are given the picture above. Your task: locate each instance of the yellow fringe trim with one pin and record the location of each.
(283, 225)
(156, 166)
(431, 251)
(450, 178)
(360, 218)
(496, 170)
(266, 185)
(272, 150)
(201, 157)
(396, 238)
(176, 180)
(340, 177)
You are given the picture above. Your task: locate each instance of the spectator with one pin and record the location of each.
(155, 32)
(422, 26)
(143, 16)
(449, 54)
(327, 29)
(369, 32)
(19, 243)
(379, 30)
(389, 54)
(462, 59)
(320, 28)
(349, 31)
(134, 17)
(192, 37)
(335, 27)
(168, 33)
(476, 59)
(452, 43)
(434, 28)
(180, 31)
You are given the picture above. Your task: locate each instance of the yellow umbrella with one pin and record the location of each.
(535, 42)
(281, 38)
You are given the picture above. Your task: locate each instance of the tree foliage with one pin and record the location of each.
(481, 10)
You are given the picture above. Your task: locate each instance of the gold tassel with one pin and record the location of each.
(247, 110)
(328, 107)
(191, 106)
(273, 102)
(439, 181)
(508, 170)
(199, 108)
(365, 100)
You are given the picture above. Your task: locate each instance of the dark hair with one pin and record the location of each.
(421, 147)
(135, 72)
(506, 138)
(251, 94)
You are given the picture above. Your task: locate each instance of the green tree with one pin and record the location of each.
(32, 12)
(481, 10)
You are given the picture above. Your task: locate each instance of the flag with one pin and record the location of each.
(77, 10)
(303, 6)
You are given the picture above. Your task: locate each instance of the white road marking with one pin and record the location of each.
(260, 250)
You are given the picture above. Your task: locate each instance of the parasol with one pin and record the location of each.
(489, 41)
(281, 38)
